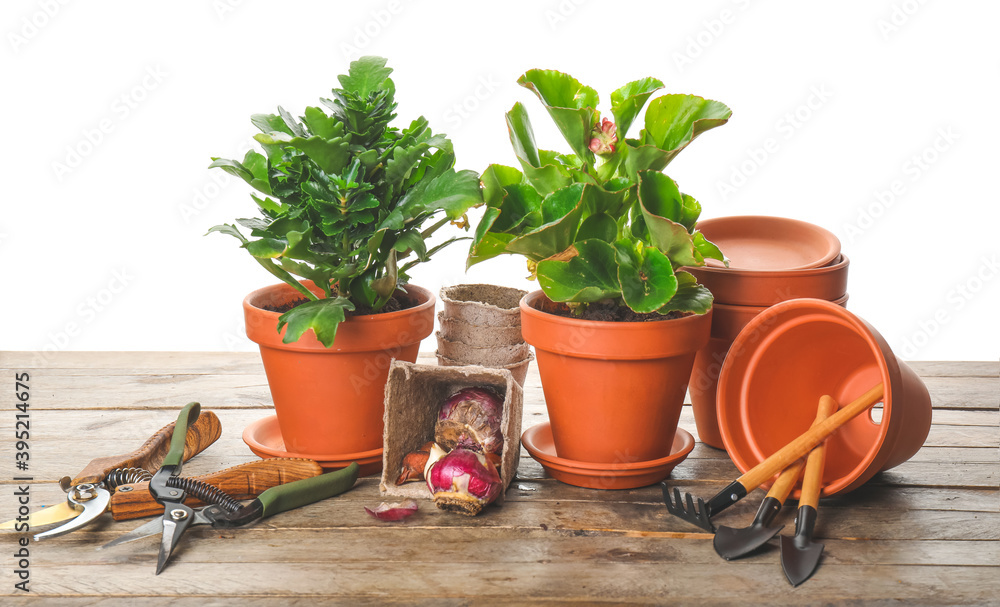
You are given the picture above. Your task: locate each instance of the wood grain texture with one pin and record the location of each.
(242, 482)
(924, 533)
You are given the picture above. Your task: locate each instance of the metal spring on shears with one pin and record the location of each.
(205, 492)
(125, 476)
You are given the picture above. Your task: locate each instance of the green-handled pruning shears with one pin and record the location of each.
(168, 488)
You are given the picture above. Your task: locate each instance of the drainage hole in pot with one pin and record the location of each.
(875, 414)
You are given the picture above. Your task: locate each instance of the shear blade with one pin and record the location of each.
(173, 529)
(56, 513)
(91, 509)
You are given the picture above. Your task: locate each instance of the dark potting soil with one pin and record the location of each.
(612, 312)
(395, 304)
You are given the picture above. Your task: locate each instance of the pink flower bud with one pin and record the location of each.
(604, 138)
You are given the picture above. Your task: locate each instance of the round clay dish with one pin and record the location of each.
(759, 242)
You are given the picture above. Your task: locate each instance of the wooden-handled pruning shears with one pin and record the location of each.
(119, 483)
(170, 489)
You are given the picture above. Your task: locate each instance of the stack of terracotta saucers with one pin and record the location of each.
(771, 259)
(481, 325)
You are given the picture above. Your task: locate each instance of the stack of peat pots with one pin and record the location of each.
(771, 259)
(481, 325)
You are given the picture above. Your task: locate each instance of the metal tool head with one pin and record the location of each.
(694, 515)
(800, 555)
(89, 500)
(733, 543)
(176, 520)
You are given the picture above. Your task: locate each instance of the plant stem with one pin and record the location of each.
(286, 278)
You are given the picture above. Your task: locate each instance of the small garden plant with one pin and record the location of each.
(602, 223)
(346, 200)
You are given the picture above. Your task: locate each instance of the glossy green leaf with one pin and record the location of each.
(627, 101)
(521, 210)
(267, 248)
(323, 316)
(570, 104)
(231, 230)
(589, 274)
(331, 155)
(365, 76)
(707, 248)
(453, 192)
(662, 206)
(321, 125)
(291, 123)
(600, 226)
(674, 121)
(495, 178)
(269, 123)
(411, 240)
(690, 296)
(563, 210)
(646, 276)
(690, 212)
(522, 136)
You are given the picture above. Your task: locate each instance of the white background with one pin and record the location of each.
(102, 232)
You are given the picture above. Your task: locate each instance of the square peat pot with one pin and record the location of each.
(414, 395)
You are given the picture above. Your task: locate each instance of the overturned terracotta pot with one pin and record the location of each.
(797, 351)
(727, 322)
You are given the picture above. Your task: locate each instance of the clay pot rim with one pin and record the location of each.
(724, 307)
(818, 234)
(530, 298)
(838, 264)
(826, 311)
(248, 301)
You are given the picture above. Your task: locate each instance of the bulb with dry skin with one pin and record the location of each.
(471, 419)
(413, 465)
(462, 480)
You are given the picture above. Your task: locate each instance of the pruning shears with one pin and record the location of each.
(169, 488)
(120, 483)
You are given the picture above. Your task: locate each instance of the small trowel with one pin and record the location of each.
(800, 554)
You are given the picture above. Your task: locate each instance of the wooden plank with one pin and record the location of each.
(625, 582)
(964, 392)
(951, 368)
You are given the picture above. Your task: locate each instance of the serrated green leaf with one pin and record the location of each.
(268, 123)
(590, 273)
(646, 276)
(291, 123)
(267, 206)
(628, 100)
(411, 240)
(231, 230)
(234, 168)
(707, 248)
(321, 125)
(366, 75)
(452, 192)
(323, 316)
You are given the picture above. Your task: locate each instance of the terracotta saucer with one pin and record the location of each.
(759, 242)
(538, 441)
(264, 439)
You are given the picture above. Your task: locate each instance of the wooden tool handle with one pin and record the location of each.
(200, 435)
(783, 486)
(804, 443)
(812, 481)
(242, 482)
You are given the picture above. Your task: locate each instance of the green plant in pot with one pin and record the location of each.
(347, 204)
(617, 323)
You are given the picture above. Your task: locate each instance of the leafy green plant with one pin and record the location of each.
(602, 223)
(344, 197)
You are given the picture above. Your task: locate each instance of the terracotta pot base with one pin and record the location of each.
(614, 391)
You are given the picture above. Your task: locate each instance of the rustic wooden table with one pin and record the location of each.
(924, 533)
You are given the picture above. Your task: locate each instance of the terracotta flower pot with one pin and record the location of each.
(614, 390)
(330, 400)
(765, 288)
(799, 350)
(727, 322)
